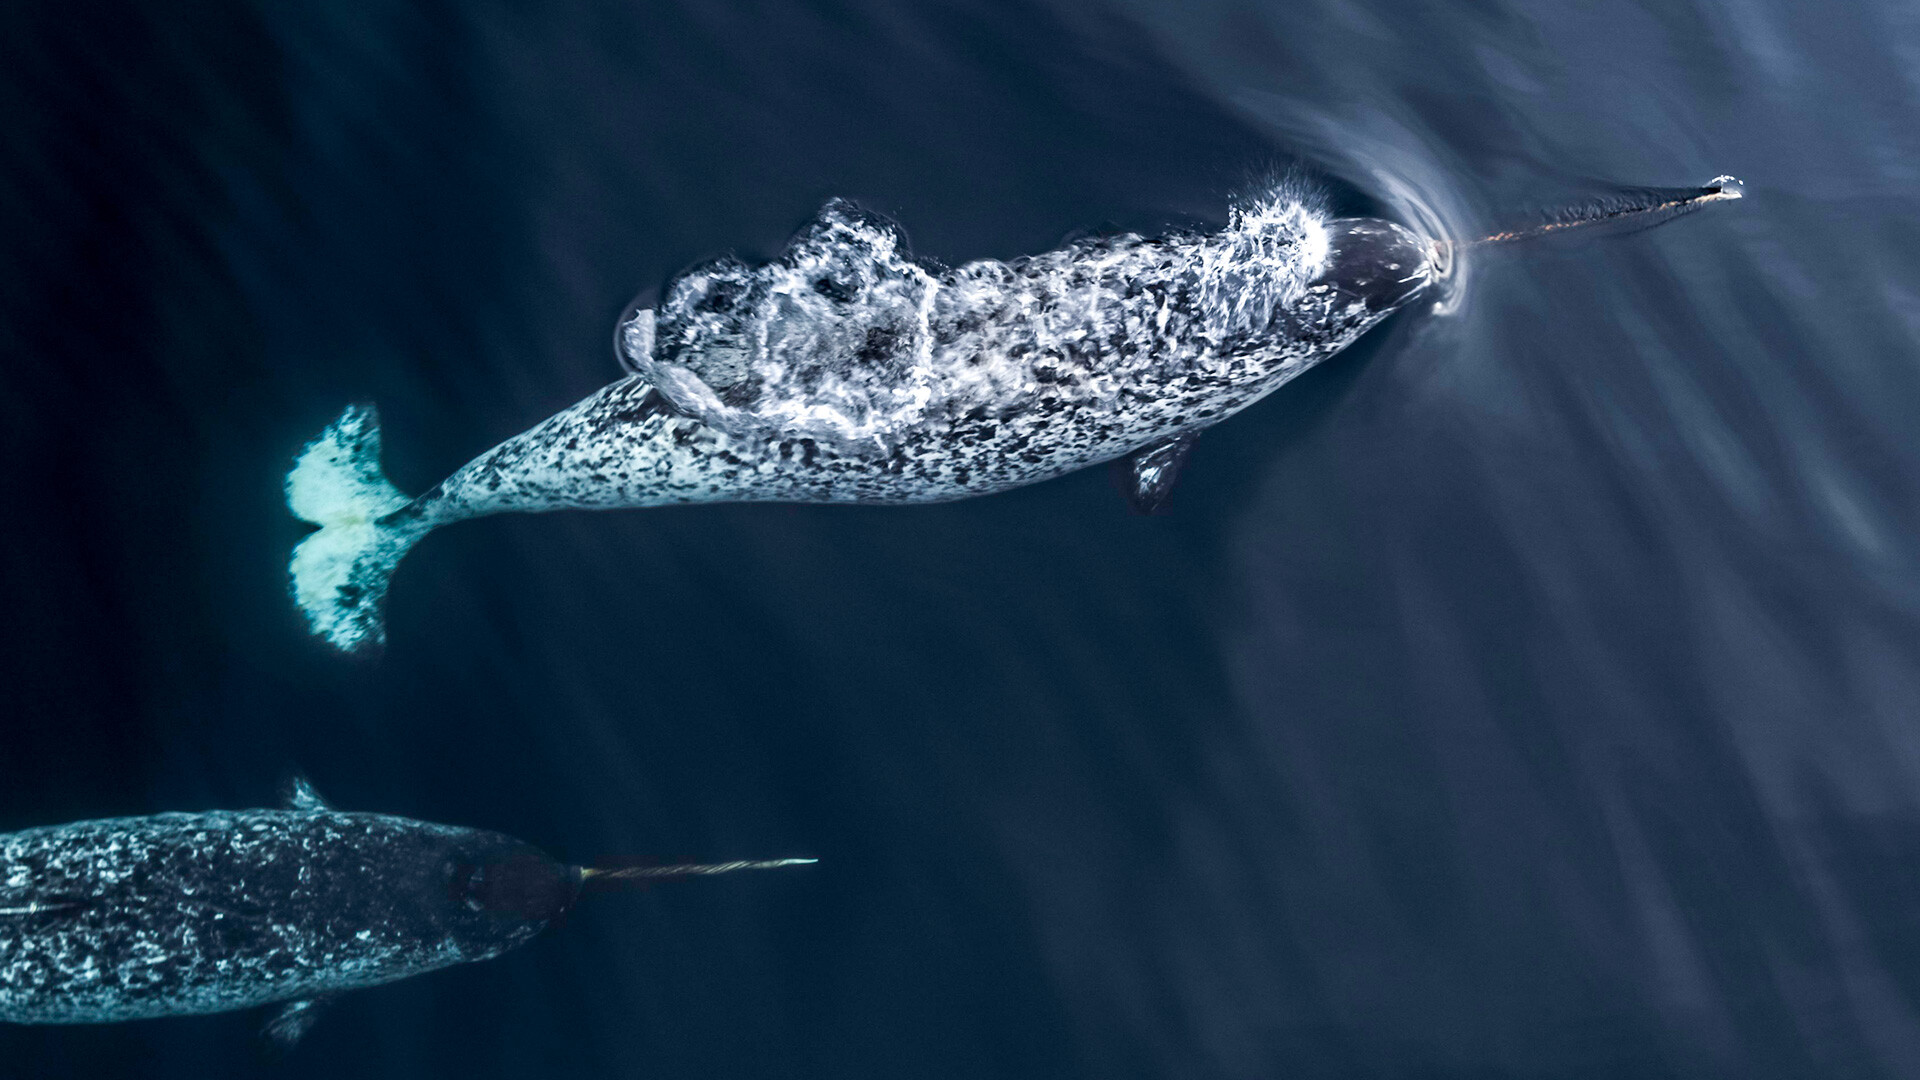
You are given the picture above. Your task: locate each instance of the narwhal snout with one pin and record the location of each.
(1378, 262)
(522, 884)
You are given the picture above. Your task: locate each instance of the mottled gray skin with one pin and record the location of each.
(1085, 354)
(198, 913)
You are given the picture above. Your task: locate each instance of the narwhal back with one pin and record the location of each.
(195, 913)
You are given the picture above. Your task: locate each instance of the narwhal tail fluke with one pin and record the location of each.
(340, 573)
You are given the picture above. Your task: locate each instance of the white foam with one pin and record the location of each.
(848, 338)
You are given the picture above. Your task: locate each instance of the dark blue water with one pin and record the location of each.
(1534, 691)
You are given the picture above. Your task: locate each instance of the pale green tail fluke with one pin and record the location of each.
(340, 573)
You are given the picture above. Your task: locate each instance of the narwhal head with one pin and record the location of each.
(1374, 266)
(1283, 273)
(1339, 277)
(508, 887)
(452, 895)
(484, 893)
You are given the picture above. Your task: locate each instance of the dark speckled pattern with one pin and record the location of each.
(198, 913)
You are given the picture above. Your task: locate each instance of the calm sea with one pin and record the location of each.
(1534, 691)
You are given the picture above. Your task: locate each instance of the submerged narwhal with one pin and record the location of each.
(181, 914)
(849, 371)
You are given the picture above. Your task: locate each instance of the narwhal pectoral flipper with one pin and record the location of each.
(1147, 476)
(340, 573)
(289, 1024)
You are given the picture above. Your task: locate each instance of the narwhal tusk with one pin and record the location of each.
(631, 873)
(1719, 189)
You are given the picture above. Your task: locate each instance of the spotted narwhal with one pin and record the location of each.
(849, 371)
(182, 914)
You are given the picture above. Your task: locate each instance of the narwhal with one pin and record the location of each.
(181, 914)
(847, 370)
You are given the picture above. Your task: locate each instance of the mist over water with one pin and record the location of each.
(1529, 691)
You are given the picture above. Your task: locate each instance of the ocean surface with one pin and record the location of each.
(1531, 691)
